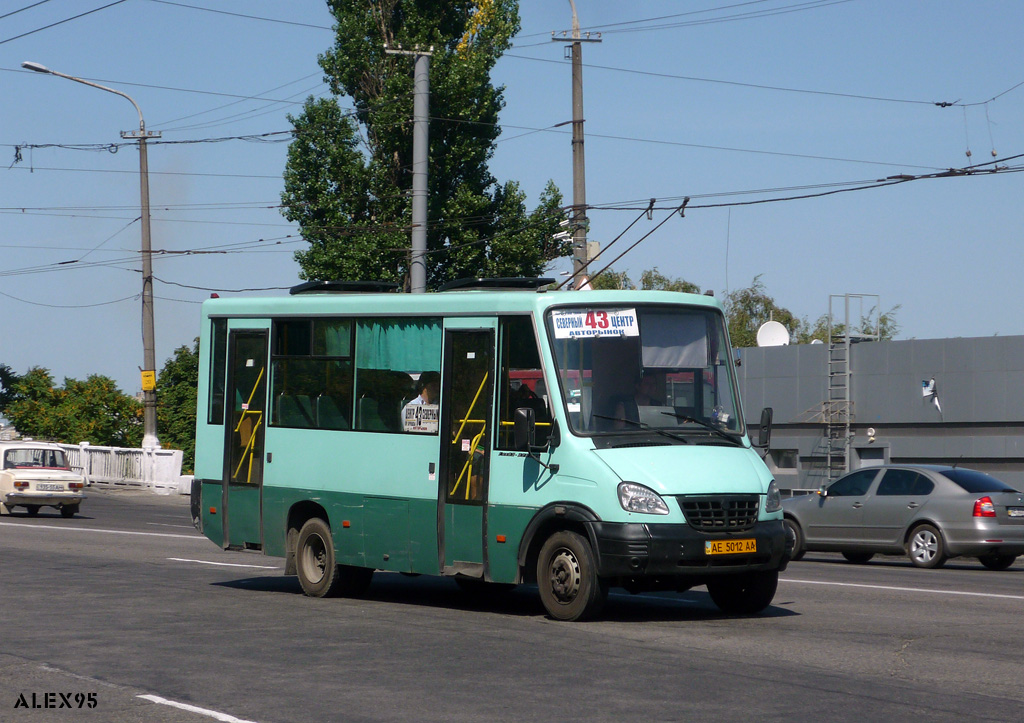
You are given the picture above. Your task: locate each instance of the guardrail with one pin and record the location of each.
(155, 469)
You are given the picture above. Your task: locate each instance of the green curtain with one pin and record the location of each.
(400, 345)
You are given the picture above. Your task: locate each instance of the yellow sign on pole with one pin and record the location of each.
(148, 381)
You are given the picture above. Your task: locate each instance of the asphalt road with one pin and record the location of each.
(127, 600)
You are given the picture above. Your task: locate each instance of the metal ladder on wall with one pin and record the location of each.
(837, 409)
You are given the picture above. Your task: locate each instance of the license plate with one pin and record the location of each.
(44, 487)
(1015, 511)
(729, 547)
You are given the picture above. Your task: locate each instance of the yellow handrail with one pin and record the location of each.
(472, 404)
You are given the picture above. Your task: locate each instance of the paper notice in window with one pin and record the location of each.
(592, 323)
(422, 418)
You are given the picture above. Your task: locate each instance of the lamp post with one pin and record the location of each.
(149, 438)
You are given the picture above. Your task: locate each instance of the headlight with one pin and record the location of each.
(773, 500)
(637, 498)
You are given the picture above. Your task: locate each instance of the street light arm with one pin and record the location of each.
(28, 65)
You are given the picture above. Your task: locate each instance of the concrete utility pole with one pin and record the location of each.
(149, 438)
(580, 257)
(420, 159)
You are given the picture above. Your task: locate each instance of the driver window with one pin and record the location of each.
(853, 485)
(521, 380)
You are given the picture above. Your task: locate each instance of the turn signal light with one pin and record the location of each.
(983, 507)
(20, 485)
(76, 485)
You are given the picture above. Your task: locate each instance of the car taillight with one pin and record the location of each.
(983, 507)
(20, 485)
(76, 485)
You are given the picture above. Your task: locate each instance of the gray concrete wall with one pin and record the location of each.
(980, 388)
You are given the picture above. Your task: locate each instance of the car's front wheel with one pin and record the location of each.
(744, 593)
(926, 548)
(797, 535)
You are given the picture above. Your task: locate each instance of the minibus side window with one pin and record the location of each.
(311, 374)
(398, 363)
(218, 369)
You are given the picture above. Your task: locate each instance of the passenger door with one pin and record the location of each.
(241, 506)
(839, 517)
(466, 392)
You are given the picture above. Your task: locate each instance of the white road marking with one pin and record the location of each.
(224, 564)
(905, 589)
(195, 709)
(196, 536)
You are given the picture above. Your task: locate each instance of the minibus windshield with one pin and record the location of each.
(635, 368)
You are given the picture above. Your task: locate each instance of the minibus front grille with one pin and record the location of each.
(720, 513)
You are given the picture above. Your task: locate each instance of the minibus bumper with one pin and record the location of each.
(678, 550)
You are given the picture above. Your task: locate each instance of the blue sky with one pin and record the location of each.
(724, 101)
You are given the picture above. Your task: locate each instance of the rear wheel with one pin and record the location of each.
(68, 510)
(315, 564)
(744, 594)
(858, 558)
(794, 531)
(567, 578)
(926, 548)
(33, 510)
(997, 562)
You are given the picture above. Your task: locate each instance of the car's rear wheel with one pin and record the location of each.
(797, 535)
(68, 510)
(33, 510)
(858, 558)
(926, 548)
(997, 562)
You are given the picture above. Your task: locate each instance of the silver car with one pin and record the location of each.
(929, 513)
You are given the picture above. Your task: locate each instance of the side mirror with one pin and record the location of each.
(524, 429)
(764, 428)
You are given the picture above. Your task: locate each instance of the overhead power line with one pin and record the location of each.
(60, 22)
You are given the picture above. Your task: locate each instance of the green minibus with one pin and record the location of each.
(495, 432)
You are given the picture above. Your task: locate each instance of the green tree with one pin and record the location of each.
(611, 280)
(652, 279)
(7, 381)
(93, 410)
(748, 308)
(887, 327)
(347, 177)
(176, 411)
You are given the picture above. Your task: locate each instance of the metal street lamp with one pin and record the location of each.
(149, 438)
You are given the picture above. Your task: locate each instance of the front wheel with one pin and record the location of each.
(997, 562)
(926, 548)
(745, 593)
(567, 578)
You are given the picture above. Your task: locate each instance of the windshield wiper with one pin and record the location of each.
(645, 426)
(710, 427)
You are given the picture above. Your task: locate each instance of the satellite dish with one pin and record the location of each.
(817, 341)
(772, 333)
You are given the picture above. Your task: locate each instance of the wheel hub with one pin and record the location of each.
(565, 576)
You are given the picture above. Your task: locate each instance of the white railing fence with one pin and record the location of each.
(158, 470)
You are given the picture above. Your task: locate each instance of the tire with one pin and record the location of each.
(858, 558)
(997, 562)
(567, 578)
(926, 548)
(67, 511)
(793, 529)
(747, 593)
(33, 510)
(318, 572)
